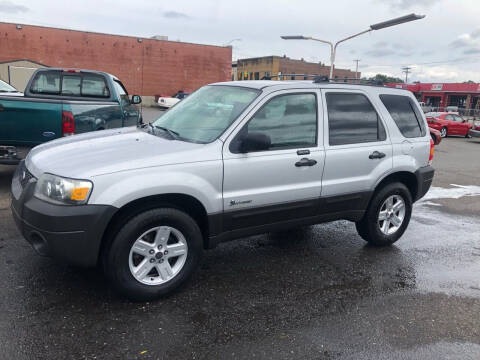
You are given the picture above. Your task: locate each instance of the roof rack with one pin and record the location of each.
(324, 79)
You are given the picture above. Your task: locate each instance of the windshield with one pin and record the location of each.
(205, 114)
(4, 87)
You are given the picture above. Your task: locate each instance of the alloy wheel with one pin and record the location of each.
(158, 255)
(391, 214)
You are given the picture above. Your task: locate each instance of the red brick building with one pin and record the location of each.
(147, 67)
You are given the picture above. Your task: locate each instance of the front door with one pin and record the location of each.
(129, 110)
(358, 151)
(284, 181)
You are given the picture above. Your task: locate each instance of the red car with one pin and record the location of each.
(448, 123)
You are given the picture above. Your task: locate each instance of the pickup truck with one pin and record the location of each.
(62, 102)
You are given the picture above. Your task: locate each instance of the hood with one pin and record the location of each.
(103, 152)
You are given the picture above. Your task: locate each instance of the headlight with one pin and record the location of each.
(58, 190)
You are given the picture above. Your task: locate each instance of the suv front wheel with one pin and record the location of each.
(154, 253)
(387, 216)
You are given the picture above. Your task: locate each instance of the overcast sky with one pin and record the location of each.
(445, 46)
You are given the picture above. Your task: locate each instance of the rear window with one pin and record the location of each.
(94, 86)
(405, 114)
(46, 83)
(67, 84)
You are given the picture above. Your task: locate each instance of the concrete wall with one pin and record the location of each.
(18, 72)
(146, 66)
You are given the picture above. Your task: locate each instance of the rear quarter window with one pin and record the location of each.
(405, 114)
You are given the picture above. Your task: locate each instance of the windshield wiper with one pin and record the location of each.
(173, 134)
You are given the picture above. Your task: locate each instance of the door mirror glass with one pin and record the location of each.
(255, 141)
(136, 99)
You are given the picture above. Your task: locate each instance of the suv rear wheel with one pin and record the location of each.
(387, 216)
(154, 253)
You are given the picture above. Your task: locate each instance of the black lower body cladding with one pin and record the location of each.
(424, 177)
(72, 234)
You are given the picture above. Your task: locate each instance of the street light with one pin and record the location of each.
(378, 26)
(231, 41)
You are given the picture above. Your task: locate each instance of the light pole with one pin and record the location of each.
(231, 41)
(333, 47)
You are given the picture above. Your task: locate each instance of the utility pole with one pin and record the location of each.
(406, 70)
(356, 68)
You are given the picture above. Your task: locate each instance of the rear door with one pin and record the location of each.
(451, 125)
(357, 149)
(283, 182)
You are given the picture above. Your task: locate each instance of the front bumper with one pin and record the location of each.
(474, 133)
(424, 177)
(72, 234)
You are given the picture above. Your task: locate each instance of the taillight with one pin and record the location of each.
(432, 150)
(68, 123)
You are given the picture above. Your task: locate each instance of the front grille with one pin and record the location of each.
(24, 176)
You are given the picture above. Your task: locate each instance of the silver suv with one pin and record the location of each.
(231, 160)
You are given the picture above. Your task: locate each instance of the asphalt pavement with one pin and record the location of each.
(313, 293)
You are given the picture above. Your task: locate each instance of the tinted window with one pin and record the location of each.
(71, 85)
(352, 119)
(405, 114)
(94, 86)
(289, 121)
(46, 83)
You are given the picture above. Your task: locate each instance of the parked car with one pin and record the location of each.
(167, 102)
(425, 108)
(436, 136)
(8, 90)
(231, 160)
(448, 123)
(60, 102)
(475, 130)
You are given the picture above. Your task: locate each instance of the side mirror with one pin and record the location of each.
(136, 99)
(255, 141)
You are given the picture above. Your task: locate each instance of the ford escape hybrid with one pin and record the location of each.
(232, 159)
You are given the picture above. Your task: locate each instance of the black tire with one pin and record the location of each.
(368, 227)
(116, 261)
(446, 131)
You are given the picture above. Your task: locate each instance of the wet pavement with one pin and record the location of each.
(316, 293)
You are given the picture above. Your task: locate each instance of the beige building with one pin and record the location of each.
(257, 68)
(18, 72)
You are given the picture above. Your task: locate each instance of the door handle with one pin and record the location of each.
(305, 162)
(376, 155)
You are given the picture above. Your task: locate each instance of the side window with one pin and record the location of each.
(405, 114)
(458, 119)
(46, 82)
(94, 86)
(352, 119)
(289, 120)
(449, 117)
(121, 92)
(71, 85)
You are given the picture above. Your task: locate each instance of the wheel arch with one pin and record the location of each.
(183, 202)
(407, 178)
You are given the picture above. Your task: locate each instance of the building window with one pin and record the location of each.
(257, 76)
(251, 76)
